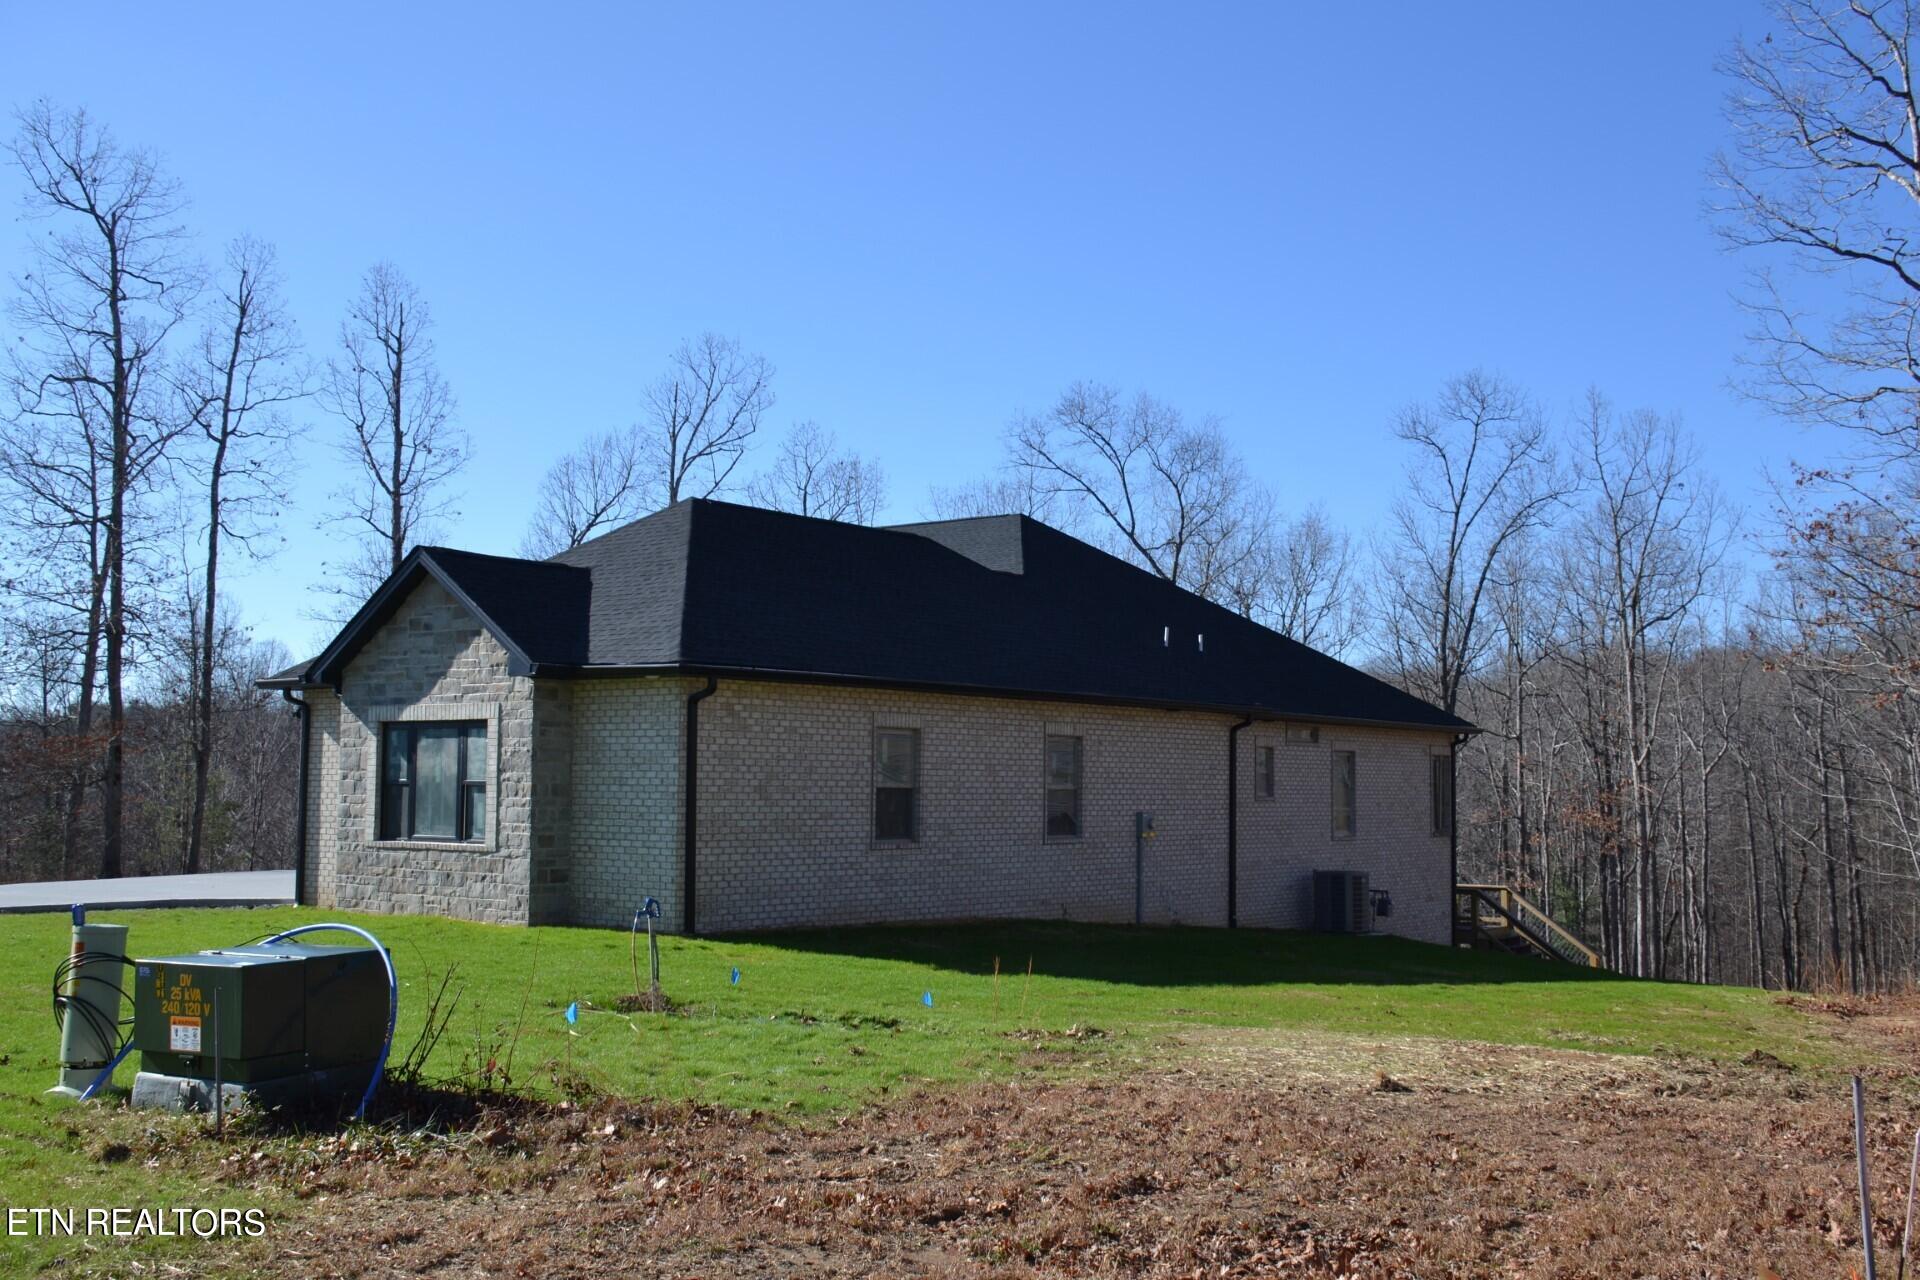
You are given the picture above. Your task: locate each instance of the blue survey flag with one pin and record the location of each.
(573, 1012)
(734, 978)
(926, 998)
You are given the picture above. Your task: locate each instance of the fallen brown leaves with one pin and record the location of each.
(1255, 1154)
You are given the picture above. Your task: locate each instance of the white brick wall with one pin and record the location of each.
(626, 797)
(588, 792)
(1284, 840)
(786, 815)
(786, 810)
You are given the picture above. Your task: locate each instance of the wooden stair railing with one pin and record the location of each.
(1508, 916)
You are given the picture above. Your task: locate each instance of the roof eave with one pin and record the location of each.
(1257, 711)
(326, 669)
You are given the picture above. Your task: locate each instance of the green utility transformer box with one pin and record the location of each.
(286, 1020)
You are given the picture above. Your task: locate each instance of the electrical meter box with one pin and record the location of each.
(307, 1018)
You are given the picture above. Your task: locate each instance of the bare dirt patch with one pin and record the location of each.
(1236, 1153)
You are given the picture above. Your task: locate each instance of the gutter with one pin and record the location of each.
(1453, 824)
(789, 676)
(690, 826)
(305, 713)
(1233, 821)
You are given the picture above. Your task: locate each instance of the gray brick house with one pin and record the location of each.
(766, 720)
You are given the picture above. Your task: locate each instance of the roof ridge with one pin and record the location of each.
(622, 528)
(434, 548)
(687, 579)
(985, 515)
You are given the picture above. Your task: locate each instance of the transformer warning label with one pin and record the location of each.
(183, 1035)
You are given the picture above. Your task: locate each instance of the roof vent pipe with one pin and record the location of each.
(1166, 636)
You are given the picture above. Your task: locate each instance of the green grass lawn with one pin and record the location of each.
(825, 1020)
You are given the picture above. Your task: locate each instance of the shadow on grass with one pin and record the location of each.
(1176, 956)
(439, 1109)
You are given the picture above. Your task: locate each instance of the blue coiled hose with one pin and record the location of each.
(393, 998)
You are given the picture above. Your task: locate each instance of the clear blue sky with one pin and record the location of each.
(929, 217)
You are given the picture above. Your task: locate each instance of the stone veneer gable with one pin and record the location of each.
(431, 661)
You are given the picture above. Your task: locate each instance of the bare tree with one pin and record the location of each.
(1824, 179)
(246, 369)
(1826, 169)
(1304, 582)
(701, 416)
(1014, 491)
(1642, 560)
(56, 471)
(809, 477)
(597, 487)
(400, 439)
(109, 285)
(1481, 476)
(1826, 172)
(1164, 493)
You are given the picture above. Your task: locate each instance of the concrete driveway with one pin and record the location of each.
(211, 889)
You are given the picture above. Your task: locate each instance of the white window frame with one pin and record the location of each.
(915, 815)
(1352, 761)
(1079, 785)
(374, 722)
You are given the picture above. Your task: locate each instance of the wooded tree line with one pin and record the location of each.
(1710, 770)
(1716, 777)
(153, 411)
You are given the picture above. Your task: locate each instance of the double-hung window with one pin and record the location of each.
(1442, 795)
(1345, 793)
(1265, 760)
(1063, 786)
(896, 784)
(433, 781)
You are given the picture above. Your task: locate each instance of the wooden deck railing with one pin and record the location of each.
(1497, 912)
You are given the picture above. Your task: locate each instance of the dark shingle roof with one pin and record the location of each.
(537, 609)
(640, 576)
(999, 604)
(541, 604)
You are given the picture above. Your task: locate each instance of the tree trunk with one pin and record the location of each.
(1759, 933)
(396, 490)
(203, 677)
(112, 780)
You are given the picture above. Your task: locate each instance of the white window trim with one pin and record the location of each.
(1058, 729)
(1353, 815)
(1434, 760)
(897, 724)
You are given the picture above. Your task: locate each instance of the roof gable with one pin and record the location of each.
(537, 611)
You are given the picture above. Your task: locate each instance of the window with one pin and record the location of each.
(1442, 796)
(433, 781)
(1266, 773)
(896, 783)
(1063, 786)
(1345, 792)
